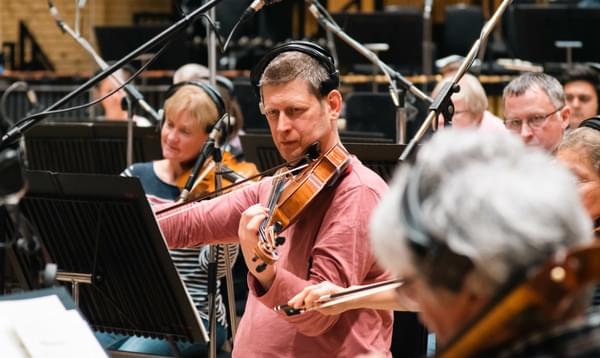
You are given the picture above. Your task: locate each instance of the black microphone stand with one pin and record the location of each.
(40, 271)
(392, 76)
(206, 151)
(212, 147)
(215, 250)
(213, 256)
(18, 130)
(442, 103)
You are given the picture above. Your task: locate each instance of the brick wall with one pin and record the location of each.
(67, 55)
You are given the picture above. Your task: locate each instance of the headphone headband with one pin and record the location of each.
(210, 90)
(313, 50)
(593, 123)
(212, 93)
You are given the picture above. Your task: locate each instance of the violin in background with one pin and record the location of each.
(232, 171)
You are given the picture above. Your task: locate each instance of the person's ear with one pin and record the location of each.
(334, 101)
(565, 114)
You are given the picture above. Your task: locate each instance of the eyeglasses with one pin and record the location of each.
(533, 122)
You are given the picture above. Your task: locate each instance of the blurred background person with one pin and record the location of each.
(196, 72)
(199, 73)
(470, 104)
(114, 107)
(189, 115)
(581, 83)
(580, 151)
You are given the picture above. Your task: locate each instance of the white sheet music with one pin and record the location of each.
(42, 327)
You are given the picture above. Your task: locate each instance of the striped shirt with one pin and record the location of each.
(191, 263)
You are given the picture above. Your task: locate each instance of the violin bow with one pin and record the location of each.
(347, 295)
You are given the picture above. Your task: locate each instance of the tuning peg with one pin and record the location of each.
(261, 267)
(279, 240)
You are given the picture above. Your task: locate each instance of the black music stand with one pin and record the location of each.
(381, 158)
(88, 147)
(180, 50)
(102, 228)
(530, 38)
(402, 30)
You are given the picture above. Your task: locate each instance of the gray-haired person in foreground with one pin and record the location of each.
(468, 222)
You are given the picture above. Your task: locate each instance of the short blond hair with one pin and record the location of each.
(196, 102)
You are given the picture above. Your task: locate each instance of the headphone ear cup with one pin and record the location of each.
(216, 97)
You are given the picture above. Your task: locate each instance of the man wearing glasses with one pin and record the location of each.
(534, 108)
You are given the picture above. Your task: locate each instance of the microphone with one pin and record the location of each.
(13, 184)
(255, 7)
(232, 176)
(216, 137)
(32, 97)
(259, 4)
(54, 12)
(248, 13)
(221, 129)
(33, 101)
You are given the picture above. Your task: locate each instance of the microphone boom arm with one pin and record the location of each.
(131, 90)
(444, 95)
(17, 131)
(391, 75)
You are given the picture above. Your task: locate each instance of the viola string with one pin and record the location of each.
(190, 205)
(208, 195)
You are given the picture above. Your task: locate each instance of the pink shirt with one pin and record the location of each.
(490, 122)
(329, 242)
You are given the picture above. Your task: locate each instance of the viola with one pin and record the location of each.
(290, 195)
(541, 296)
(232, 171)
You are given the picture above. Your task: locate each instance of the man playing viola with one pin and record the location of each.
(298, 82)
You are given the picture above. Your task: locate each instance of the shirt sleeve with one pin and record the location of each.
(128, 172)
(212, 221)
(341, 254)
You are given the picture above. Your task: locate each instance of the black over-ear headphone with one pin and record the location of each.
(441, 265)
(210, 90)
(593, 123)
(313, 50)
